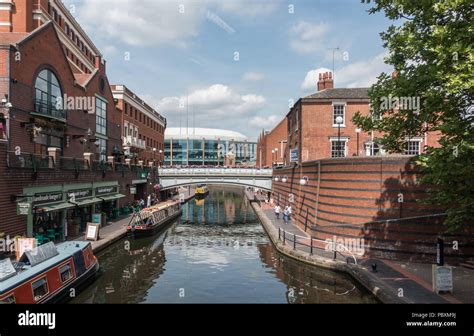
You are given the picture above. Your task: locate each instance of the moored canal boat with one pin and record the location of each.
(48, 273)
(151, 220)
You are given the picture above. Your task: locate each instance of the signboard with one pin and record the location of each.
(92, 232)
(97, 218)
(442, 279)
(294, 155)
(22, 245)
(23, 209)
(133, 190)
(106, 190)
(48, 198)
(78, 194)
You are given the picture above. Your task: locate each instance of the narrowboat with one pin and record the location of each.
(48, 273)
(151, 220)
(202, 191)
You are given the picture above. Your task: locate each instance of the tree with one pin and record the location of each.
(430, 46)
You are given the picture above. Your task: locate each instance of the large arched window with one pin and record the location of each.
(48, 94)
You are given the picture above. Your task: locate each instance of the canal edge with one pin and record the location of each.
(379, 289)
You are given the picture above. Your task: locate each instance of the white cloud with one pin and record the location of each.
(215, 106)
(358, 74)
(363, 73)
(306, 37)
(268, 122)
(311, 80)
(253, 76)
(157, 22)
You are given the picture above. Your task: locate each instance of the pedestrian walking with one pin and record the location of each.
(290, 211)
(277, 212)
(286, 216)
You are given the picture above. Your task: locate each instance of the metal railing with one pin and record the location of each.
(291, 239)
(215, 171)
(73, 164)
(101, 166)
(29, 161)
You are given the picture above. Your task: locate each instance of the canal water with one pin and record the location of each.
(217, 252)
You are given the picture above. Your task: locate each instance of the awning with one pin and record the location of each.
(55, 207)
(112, 197)
(88, 201)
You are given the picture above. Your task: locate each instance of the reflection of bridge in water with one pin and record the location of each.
(176, 177)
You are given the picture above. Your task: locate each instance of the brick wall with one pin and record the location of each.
(359, 198)
(269, 141)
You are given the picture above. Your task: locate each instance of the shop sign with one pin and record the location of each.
(143, 175)
(97, 218)
(442, 279)
(48, 198)
(294, 155)
(106, 190)
(133, 190)
(92, 232)
(23, 209)
(78, 194)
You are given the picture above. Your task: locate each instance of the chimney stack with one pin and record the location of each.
(325, 81)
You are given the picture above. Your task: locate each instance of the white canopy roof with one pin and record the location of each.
(200, 133)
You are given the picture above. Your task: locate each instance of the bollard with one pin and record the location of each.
(294, 242)
(311, 246)
(279, 234)
(284, 237)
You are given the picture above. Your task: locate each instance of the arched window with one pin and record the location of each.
(48, 94)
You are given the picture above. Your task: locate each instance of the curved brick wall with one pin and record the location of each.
(359, 198)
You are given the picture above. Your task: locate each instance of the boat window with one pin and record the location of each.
(40, 288)
(9, 300)
(65, 273)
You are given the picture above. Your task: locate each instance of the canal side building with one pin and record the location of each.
(61, 157)
(208, 147)
(271, 146)
(342, 185)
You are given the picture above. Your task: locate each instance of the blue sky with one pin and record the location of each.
(170, 52)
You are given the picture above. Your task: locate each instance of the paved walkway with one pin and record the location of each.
(413, 278)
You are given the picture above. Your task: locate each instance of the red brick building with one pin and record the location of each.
(143, 127)
(271, 146)
(320, 126)
(61, 159)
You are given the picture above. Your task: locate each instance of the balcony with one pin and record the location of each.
(47, 109)
(132, 142)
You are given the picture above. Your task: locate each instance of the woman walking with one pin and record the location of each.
(277, 212)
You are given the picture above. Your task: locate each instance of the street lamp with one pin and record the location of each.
(273, 158)
(160, 158)
(284, 179)
(154, 152)
(304, 180)
(276, 156)
(339, 122)
(358, 131)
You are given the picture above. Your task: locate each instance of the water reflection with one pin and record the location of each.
(217, 253)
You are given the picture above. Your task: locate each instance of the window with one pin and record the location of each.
(373, 149)
(65, 273)
(103, 149)
(101, 116)
(47, 95)
(413, 147)
(40, 289)
(338, 148)
(339, 111)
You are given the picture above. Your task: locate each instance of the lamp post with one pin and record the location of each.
(273, 158)
(160, 158)
(339, 122)
(154, 152)
(358, 131)
(276, 156)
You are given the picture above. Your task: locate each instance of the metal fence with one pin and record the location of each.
(29, 161)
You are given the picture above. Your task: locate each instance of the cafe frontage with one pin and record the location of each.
(55, 213)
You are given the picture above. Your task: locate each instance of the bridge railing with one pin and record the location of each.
(214, 172)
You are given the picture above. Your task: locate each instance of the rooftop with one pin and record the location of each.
(343, 93)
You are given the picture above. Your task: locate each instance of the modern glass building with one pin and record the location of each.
(207, 147)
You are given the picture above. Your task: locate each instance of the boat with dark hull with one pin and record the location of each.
(151, 220)
(48, 273)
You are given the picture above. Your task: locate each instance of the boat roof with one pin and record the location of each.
(24, 273)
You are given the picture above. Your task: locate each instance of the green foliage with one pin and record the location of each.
(430, 46)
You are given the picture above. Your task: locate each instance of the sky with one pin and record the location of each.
(232, 64)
